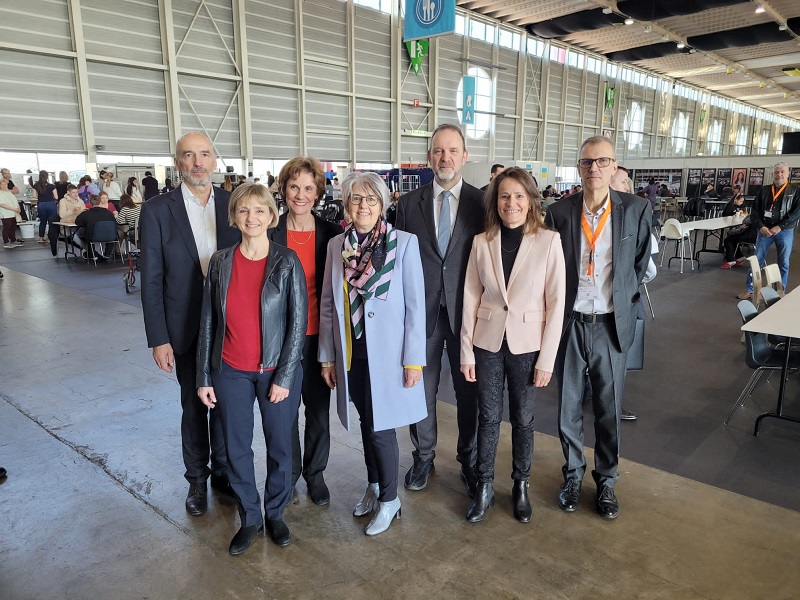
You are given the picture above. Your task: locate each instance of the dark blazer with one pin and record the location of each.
(630, 253)
(415, 215)
(172, 281)
(324, 231)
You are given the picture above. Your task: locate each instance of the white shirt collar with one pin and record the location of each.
(188, 196)
(455, 190)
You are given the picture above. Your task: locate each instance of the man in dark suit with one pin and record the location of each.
(444, 215)
(180, 231)
(605, 235)
(496, 170)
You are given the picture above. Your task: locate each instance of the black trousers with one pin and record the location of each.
(201, 433)
(235, 391)
(493, 370)
(425, 433)
(733, 239)
(316, 395)
(381, 453)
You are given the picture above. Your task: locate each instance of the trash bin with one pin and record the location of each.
(27, 230)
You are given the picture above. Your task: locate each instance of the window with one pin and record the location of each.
(381, 5)
(741, 140)
(461, 24)
(611, 71)
(558, 54)
(680, 131)
(762, 142)
(575, 59)
(535, 47)
(477, 29)
(634, 125)
(509, 39)
(714, 137)
(594, 65)
(651, 82)
(484, 103)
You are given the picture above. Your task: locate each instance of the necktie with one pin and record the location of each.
(443, 237)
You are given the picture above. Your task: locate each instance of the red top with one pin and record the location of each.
(304, 244)
(242, 346)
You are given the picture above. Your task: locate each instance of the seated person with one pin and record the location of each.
(71, 205)
(741, 234)
(710, 191)
(103, 196)
(128, 214)
(663, 192)
(88, 219)
(735, 203)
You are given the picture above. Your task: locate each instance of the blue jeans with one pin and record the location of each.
(46, 210)
(783, 242)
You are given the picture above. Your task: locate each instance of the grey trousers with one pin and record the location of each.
(590, 347)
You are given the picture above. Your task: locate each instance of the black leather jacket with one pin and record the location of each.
(284, 315)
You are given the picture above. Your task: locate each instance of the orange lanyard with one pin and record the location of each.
(592, 238)
(775, 195)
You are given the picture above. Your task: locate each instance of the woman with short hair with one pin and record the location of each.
(252, 330)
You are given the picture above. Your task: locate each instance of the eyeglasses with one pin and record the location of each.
(602, 162)
(357, 200)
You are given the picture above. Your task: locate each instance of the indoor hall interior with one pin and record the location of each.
(93, 506)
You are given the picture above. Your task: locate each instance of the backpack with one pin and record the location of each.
(85, 194)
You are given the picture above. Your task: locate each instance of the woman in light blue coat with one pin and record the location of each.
(372, 336)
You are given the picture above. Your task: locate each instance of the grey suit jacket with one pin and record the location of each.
(630, 253)
(443, 274)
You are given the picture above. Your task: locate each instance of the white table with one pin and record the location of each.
(708, 226)
(779, 319)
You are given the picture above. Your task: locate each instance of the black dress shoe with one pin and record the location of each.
(522, 504)
(320, 495)
(279, 532)
(627, 415)
(220, 483)
(197, 499)
(569, 495)
(417, 476)
(3, 472)
(607, 506)
(244, 538)
(484, 498)
(470, 480)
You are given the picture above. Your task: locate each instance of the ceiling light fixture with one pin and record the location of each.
(648, 29)
(681, 45)
(760, 10)
(782, 27)
(665, 37)
(608, 10)
(629, 21)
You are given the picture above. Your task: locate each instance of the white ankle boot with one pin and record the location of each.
(383, 518)
(367, 503)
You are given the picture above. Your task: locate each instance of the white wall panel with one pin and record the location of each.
(530, 137)
(45, 117)
(328, 122)
(210, 99)
(129, 109)
(591, 98)
(570, 145)
(504, 139)
(135, 37)
(414, 149)
(324, 29)
(204, 49)
(44, 23)
(551, 142)
(478, 149)
(555, 83)
(324, 76)
(480, 51)
(450, 70)
(574, 97)
(533, 93)
(507, 82)
(373, 131)
(274, 115)
(373, 52)
(271, 35)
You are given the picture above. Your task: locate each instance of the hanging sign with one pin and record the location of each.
(416, 53)
(468, 100)
(611, 92)
(428, 18)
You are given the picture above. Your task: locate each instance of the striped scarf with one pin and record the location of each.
(368, 268)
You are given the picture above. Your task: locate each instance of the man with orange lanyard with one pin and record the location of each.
(605, 235)
(775, 213)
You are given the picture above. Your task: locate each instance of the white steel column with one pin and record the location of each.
(171, 74)
(82, 80)
(350, 26)
(301, 75)
(242, 61)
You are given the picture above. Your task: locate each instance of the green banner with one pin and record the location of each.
(611, 92)
(416, 53)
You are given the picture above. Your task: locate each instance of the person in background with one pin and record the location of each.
(70, 206)
(391, 212)
(127, 216)
(45, 202)
(372, 337)
(105, 203)
(111, 187)
(9, 209)
(605, 236)
(444, 215)
(168, 186)
(302, 184)
(337, 189)
(710, 191)
(132, 190)
(250, 347)
(663, 191)
(86, 188)
(5, 174)
(86, 222)
(651, 192)
(150, 185)
(512, 323)
(496, 170)
(250, 178)
(270, 179)
(61, 184)
(735, 203)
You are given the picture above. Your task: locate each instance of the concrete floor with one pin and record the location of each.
(93, 505)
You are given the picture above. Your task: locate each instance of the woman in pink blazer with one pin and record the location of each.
(513, 315)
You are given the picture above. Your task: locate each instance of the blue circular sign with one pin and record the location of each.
(428, 11)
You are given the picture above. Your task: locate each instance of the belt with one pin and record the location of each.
(584, 318)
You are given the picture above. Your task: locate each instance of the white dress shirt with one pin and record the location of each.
(203, 220)
(437, 203)
(602, 279)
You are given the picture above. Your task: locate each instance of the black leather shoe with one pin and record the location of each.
(484, 498)
(417, 476)
(220, 483)
(320, 495)
(279, 532)
(569, 495)
(244, 538)
(522, 504)
(197, 499)
(470, 480)
(3, 472)
(627, 415)
(607, 506)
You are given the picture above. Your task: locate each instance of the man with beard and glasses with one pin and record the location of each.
(180, 230)
(444, 215)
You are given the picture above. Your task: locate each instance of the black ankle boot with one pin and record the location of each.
(522, 505)
(484, 498)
